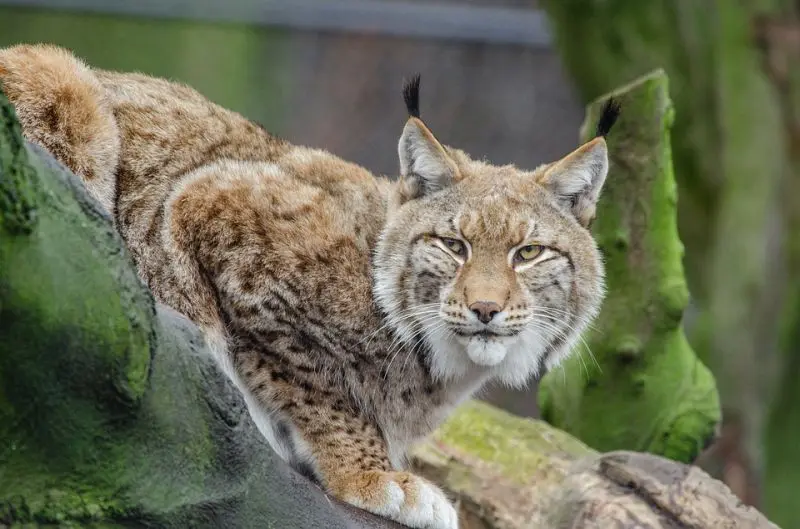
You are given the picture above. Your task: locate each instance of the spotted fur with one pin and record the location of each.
(348, 308)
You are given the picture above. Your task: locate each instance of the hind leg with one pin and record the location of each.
(61, 106)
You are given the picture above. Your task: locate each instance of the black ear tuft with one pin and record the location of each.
(411, 95)
(608, 117)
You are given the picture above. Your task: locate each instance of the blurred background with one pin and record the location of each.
(508, 80)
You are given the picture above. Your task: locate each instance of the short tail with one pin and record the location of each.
(62, 107)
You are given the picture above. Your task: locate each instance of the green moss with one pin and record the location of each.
(73, 359)
(17, 191)
(59, 506)
(519, 447)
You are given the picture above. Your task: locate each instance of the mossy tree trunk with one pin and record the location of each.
(779, 39)
(746, 273)
(729, 163)
(638, 385)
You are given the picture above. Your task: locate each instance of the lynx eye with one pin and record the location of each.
(455, 246)
(528, 253)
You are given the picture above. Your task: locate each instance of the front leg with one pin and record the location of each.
(351, 459)
(348, 454)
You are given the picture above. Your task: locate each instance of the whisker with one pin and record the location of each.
(409, 352)
(564, 335)
(394, 321)
(439, 326)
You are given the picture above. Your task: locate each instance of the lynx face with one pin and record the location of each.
(493, 267)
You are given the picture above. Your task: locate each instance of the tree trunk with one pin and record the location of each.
(638, 385)
(746, 275)
(779, 39)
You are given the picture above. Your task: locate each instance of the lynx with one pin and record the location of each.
(353, 311)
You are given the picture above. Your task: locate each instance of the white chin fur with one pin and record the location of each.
(487, 353)
(510, 361)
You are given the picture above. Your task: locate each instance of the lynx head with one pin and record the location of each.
(492, 266)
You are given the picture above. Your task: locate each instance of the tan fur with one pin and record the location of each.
(329, 295)
(71, 119)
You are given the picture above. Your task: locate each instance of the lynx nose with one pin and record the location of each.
(485, 310)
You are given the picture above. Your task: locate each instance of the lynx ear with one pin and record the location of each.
(577, 179)
(424, 163)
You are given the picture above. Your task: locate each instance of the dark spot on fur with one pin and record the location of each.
(88, 173)
(279, 376)
(235, 240)
(272, 336)
(50, 118)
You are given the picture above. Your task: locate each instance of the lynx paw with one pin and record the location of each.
(400, 496)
